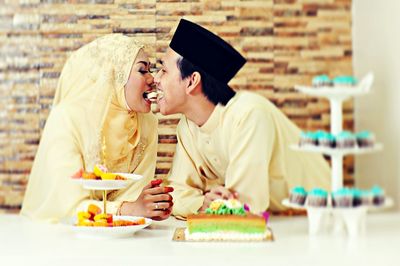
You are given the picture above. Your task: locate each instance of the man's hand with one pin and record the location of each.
(218, 192)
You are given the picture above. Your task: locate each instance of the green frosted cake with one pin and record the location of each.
(226, 220)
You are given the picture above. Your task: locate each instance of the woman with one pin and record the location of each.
(99, 115)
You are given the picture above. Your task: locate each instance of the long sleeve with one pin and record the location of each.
(184, 178)
(51, 194)
(250, 147)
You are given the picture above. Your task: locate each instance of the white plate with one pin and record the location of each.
(109, 232)
(108, 184)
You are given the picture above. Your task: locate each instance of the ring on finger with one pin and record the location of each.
(156, 206)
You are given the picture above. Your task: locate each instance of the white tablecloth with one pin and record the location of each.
(23, 242)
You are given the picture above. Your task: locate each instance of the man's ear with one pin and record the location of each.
(194, 83)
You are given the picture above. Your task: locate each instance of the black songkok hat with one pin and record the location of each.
(207, 51)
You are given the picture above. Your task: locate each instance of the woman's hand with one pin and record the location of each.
(154, 202)
(218, 192)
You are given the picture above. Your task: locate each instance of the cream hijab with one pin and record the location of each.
(93, 79)
(90, 123)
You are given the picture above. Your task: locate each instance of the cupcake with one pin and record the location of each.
(378, 195)
(345, 140)
(366, 197)
(317, 135)
(342, 198)
(356, 197)
(298, 195)
(365, 139)
(317, 197)
(306, 139)
(344, 81)
(321, 81)
(314, 138)
(326, 140)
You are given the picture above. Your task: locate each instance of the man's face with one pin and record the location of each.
(169, 81)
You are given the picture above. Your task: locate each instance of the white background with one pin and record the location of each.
(376, 48)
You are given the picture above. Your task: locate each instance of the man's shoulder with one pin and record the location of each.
(247, 102)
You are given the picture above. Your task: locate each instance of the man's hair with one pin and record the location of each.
(215, 91)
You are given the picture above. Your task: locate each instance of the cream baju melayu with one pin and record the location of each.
(90, 123)
(243, 146)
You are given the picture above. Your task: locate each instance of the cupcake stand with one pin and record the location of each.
(325, 219)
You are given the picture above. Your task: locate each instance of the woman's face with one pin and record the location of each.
(139, 81)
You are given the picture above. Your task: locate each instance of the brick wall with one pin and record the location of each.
(286, 42)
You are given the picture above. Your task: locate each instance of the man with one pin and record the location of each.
(230, 144)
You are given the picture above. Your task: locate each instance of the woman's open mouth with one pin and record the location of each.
(152, 96)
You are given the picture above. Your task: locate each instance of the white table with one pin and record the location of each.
(23, 242)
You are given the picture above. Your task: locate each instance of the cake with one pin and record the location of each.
(152, 96)
(298, 196)
(226, 220)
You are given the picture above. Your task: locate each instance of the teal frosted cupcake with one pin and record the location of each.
(378, 195)
(321, 81)
(342, 198)
(344, 81)
(298, 195)
(326, 140)
(357, 199)
(306, 139)
(366, 197)
(317, 197)
(365, 139)
(345, 140)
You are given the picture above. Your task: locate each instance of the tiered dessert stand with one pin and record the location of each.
(104, 186)
(354, 217)
(107, 185)
(336, 96)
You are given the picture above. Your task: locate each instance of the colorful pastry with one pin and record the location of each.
(94, 217)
